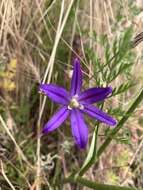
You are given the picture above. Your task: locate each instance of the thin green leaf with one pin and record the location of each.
(91, 154)
(122, 88)
(96, 186)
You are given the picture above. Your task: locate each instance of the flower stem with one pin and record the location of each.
(94, 185)
(108, 140)
(131, 109)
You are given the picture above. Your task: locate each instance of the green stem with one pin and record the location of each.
(94, 185)
(121, 123)
(114, 132)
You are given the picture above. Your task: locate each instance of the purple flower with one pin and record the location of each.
(75, 103)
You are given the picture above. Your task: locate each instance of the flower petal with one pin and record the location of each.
(56, 93)
(56, 120)
(76, 81)
(93, 95)
(96, 113)
(79, 128)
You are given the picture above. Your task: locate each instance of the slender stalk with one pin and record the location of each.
(73, 33)
(131, 109)
(5, 176)
(138, 149)
(50, 65)
(42, 104)
(18, 149)
(94, 185)
(91, 41)
(108, 140)
(48, 73)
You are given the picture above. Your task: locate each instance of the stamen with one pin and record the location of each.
(69, 108)
(75, 104)
(75, 96)
(81, 107)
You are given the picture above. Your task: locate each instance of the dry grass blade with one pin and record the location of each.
(5, 176)
(48, 73)
(132, 160)
(19, 151)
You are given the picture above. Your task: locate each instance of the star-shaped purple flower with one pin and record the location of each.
(75, 103)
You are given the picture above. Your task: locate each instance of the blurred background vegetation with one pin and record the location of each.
(35, 37)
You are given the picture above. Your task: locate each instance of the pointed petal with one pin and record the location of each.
(93, 95)
(56, 120)
(76, 81)
(96, 113)
(56, 93)
(79, 128)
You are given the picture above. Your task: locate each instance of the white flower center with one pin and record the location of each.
(75, 104)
